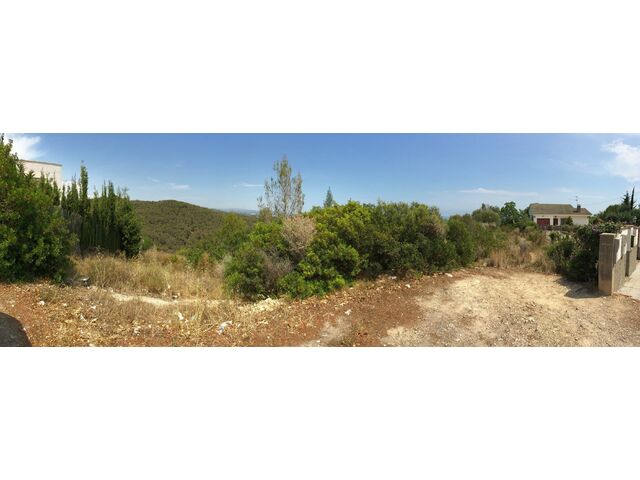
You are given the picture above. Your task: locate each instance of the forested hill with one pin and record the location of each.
(170, 224)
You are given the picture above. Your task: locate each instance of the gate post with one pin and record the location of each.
(606, 262)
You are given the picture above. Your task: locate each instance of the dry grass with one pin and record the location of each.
(522, 252)
(77, 316)
(152, 273)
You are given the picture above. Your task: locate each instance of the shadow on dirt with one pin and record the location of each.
(11, 332)
(580, 290)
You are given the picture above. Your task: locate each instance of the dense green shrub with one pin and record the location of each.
(34, 240)
(245, 274)
(259, 263)
(225, 240)
(458, 234)
(560, 252)
(487, 214)
(575, 253)
(331, 247)
(486, 238)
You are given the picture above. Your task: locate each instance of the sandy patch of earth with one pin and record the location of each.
(520, 309)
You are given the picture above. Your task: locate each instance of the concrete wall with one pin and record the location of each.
(50, 170)
(618, 258)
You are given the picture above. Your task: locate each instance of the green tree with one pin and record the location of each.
(34, 240)
(329, 201)
(510, 215)
(487, 214)
(283, 194)
(105, 222)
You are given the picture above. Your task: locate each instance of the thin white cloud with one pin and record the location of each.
(486, 191)
(576, 192)
(176, 186)
(248, 185)
(25, 146)
(154, 180)
(626, 163)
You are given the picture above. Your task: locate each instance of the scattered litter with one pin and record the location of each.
(408, 285)
(93, 307)
(180, 316)
(448, 275)
(348, 312)
(41, 302)
(393, 278)
(265, 305)
(85, 281)
(222, 326)
(65, 305)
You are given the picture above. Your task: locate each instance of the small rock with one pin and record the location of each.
(408, 285)
(348, 312)
(41, 302)
(449, 275)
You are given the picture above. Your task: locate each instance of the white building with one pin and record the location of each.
(40, 169)
(547, 215)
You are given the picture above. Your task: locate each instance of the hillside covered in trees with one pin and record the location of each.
(171, 225)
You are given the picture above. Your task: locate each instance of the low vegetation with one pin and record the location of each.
(151, 273)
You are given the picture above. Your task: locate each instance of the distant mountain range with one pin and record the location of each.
(171, 225)
(240, 211)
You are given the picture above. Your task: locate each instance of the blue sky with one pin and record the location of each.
(455, 172)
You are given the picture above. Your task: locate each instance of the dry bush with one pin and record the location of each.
(528, 253)
(298, 232)
(153, 272)
(274, 269)
(105, 271)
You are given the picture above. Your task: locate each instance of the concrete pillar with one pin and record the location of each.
(606, 262)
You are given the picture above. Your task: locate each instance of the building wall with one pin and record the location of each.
(577, 219)
(50, 170)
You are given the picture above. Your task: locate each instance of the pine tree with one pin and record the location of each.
(283, 194)
(329, 201)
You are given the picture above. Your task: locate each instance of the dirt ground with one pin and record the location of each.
(473, 307)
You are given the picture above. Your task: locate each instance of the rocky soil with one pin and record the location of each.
(473, 307)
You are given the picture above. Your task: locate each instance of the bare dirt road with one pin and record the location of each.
(473, 307)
